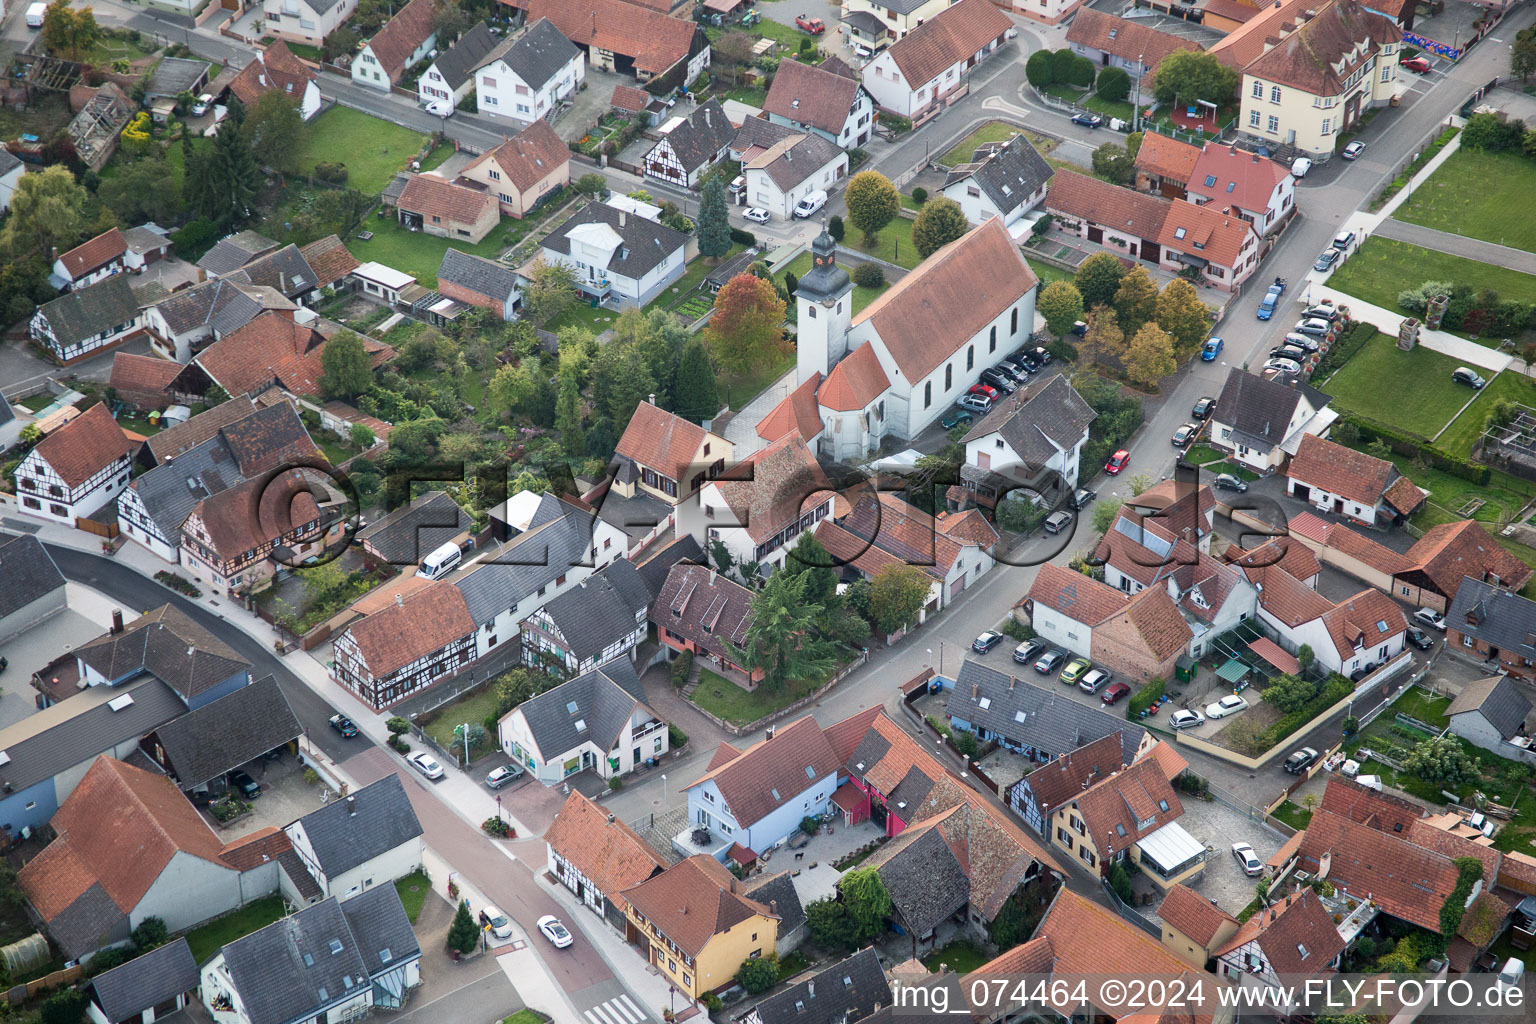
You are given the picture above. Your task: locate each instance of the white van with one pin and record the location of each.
(808, 206)
(440, 562)
(35, 15)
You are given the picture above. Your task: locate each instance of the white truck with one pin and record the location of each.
(35, 15)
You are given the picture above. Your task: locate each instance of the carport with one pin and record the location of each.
(1276, 656)
(1234, 673)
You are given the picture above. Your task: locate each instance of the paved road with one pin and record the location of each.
(135, 591)
(487, 999)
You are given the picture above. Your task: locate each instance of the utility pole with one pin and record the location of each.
(1136, 110)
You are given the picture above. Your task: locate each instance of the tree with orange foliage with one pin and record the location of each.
(747, 331)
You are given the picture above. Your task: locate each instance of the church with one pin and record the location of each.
(904, 360)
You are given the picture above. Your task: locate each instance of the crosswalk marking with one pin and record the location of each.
(618, 1010)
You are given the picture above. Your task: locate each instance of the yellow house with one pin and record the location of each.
(667, 457)
(695, 927)
(1319, 76)
(1194, 928)
(524, 169)
(1128, 817)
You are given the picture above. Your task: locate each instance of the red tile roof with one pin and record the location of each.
(132, 372)
(812, 95)
(1057, 782)
(1112, 807)
(1289, 600)
(1086, 938)
(275, 68)
(955, 34)
(1078, 597)
(937, 309)
(699, 605)
(98, 252)
(1276, 655)
(772, 772)
(1152, 622)
(1243, 179)
(1131, 40)
(260, 847)
(655, 41)
(1324, 51)
(1098, 202)
(1285, 553)
(85, 445)
(602, 848)
(1405, 496)
(1207, 232)
(1346, 541)
(413, 627)
(1243, 45)
(1403, 878)
(1363, 622)
(898, 532)
(256, 513)
(274, 348)
(1193, 914)
(393, 44)
(773, 488)
(1297, 935)
(693, 901)
(1450, 551)
(796, 413)
(970, 526)
(1164, 156)
(666, 442)
(1385, 812)
(432, 195)
(1340, 470)
(855, 382)
(530, 156)
(329, 258)
(629, 98)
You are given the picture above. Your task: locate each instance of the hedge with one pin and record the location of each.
(1336, 690)
(1469, 871)
(745, 238)
(1145, 698)
(1412, 446)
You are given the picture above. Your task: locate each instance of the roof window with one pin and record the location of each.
(1210, 179)
(1162, 805)
(986, 702)
(1178, 232)
(810, 772)
(335, 946)
(1231, 186)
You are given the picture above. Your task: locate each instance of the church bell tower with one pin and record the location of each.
(824, 309)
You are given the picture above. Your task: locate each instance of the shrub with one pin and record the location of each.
(1120, 882)
(1018, 630)
(196, 236)
(966, 743)
(150, 934)
(615, 783)
(682, 668)
(938, 726)
(1417, 448)
(1063, 62)
(400, 744)
(809, 824)
(1081, 74)
(835, 227)
(66, 1006)
(1113, 85)
(1038, 70)
(498, 827)
(868, 275)
(676, 738)
(761, 974)
(331, 173)
(1145, 698)
(745, 238)
(311, 777)
(919, 195)
(711, 1002)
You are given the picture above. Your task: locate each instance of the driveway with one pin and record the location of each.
(1219, 826)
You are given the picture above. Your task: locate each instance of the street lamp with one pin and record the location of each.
(1136, 110)
(930, 657)
(663, 791)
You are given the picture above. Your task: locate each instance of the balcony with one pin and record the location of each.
(1354, 914)
(696, 839)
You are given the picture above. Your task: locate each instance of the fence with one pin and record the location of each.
(1130, 914)
(810, 698)
(58, 979)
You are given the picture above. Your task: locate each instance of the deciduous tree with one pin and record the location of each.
(1181, 313)
(867, 900)
(1149, 356)
(141, 190)
(69, 33)
(47, 212)
(1103, 339)
(1111, 161)
(347, 367)
(1062, 306)
(1098, 277)
(896, 595)
(714, 226)
(1135, 299)
(1105, 513)
(1185, 76)
(938, 223)
(747, 331)
(1522, 55)
(551, 291)
(873, 202)
(276, 131)
(1038, 70)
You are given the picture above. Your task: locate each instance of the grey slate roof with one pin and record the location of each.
(89, 923)
(41, 753)
(1035, 422)
(481, 276)
(558, 538)
(217, 303)
(411, 532)
(286, 271)
(1053, 723)
(176, 75)
(1498, 699)
(85, 312)
(146, 981)
(603, 609)
(1261, 409)
(654, 569)
(287, 970)
(354, 830)
(170, 646)
(8, 161)
(381, 929)
(173, 441)
(647, 242)
(844, 993)
(232, 252)
(168, 496)
(1501, 618)
(458, 63)
(777, 893)
(221, 736)
(602, 699)
(1010, 175)
(706, 132)
(802, 160)
(28, 572)
(536, 56)
(927, 883)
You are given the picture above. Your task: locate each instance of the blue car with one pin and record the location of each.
(1211, 350)
(1270, 301)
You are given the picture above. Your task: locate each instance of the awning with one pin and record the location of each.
(1275, 655)
(1232, 671)
(848, 797)
(1170, 847)
(723, 6)
(741, 854)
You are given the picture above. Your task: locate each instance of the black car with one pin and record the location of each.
(1228, 482)
(1079, 328)
(1031, 362)
(1016, 374)
(1203, 408)
(1420, 639)
(1087, 120)
(343, 725)
(999, 380)
(1042, 355)
(1185, 434)
(1028, 651)
(988, 640)
(1326, 259)
(1288, 352)
(1300, 760)
(1016, 362)
(243, 784)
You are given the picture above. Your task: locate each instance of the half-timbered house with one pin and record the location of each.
(692, 147)
(405, 647)
(596, 856)
(602, 618)
(239, 537)
(75, 470)
(84, 321)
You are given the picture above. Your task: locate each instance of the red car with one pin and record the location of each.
(984, 390)
(1115, 692)
(1418, 64)
(1117, 462)
(815, 26)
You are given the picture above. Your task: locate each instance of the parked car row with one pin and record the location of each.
(1011, 373)
(1077, 670)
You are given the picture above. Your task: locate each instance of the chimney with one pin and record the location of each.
(768, 734)
(653, 398)
(733, 885)
(773, 906)
(400, 600)
(351, 806)
(711, 577)
(282, 282)
(621, 218)
(117, 622)
(610, 819)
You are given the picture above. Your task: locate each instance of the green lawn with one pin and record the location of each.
(752, 97)
(691, 279)
(138, 424)
(373, 149)
(305, 51)
(801, 265)
(583, 314)
(1372, 384)
(37, 402)
(1426, 707)
(1090, 99)
(413, 890)
(525, 1016)
(961, 956)
(787, 36)
(739, 389)
(471, 709)
(1384, 267)
(1473, 194)
(1293, 815)
(1502, 498)
(1048, 273)
(993, 131)
(740, 707)
(893, 244)
(1468, 427)
(420, 254)
(208, 939)
(436, 158)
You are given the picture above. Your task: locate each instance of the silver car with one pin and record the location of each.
(1247, 859)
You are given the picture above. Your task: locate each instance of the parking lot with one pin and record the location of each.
(1218, 827)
